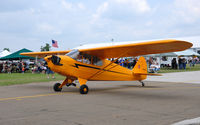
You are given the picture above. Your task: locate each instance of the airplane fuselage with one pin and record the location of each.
(113, 72)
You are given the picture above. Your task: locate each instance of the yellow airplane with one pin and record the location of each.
(92, 64)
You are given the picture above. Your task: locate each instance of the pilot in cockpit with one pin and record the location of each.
(79, 58)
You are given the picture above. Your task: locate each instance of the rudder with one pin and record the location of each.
(140, 67)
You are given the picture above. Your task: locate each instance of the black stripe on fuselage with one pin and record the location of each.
(77, 66)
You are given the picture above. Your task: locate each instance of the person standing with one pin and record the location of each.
(23, 67)
(150, 61)
(174, 63)
(9, 68)
(49, 71)
(180, 65)
(184, 62)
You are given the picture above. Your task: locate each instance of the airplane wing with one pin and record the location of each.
(45, 53)
(125, 50)
(136, 49)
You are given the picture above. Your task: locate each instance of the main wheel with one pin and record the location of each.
(84, 89)
(56, 87)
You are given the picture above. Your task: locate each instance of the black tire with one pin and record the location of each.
(56, 87)
(84, 89)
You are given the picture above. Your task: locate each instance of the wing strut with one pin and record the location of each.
(102, 69)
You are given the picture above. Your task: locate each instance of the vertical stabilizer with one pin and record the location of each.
(140, 67)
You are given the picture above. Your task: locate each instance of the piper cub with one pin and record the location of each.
(91, 64)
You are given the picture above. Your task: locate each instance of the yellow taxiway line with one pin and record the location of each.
(33, 96)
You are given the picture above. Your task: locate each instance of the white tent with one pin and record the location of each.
(4, 53)
(175, 54)
(187, 53)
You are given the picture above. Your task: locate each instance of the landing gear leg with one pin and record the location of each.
(58, 87)
(83, 87)
(71, 84)
(142, 83)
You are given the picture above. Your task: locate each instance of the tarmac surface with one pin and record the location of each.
(162, 101)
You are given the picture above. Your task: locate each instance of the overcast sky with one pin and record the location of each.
(32, 23)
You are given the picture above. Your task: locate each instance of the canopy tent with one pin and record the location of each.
(17, 56)
(187, 53)
(175, 54)
(4, 53)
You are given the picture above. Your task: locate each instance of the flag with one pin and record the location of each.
(54, 43)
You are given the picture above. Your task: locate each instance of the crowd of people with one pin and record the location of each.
(10, 67)
(22, 67)
(181, 63)
(154, 66)
(129, 63)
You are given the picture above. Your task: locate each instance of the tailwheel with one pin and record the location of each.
(142, 83)
(56, 87)
(84, 89)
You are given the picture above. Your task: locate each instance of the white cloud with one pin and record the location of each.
(189, 10)
(47, 28)
(111, 9)
(66, 4)
(149, 23)
(72, 6)
(81, 6)
(100, 10)
(140, 6)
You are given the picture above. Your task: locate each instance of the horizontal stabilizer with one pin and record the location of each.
(150, 74)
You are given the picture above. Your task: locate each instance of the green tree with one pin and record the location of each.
(45, 48)
(6, 49)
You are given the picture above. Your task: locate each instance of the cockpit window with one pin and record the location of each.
(73, 54)
(84, 58)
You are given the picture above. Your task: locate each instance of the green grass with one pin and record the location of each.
(19, 78)
(188, 68)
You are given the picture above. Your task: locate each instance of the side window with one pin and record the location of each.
(86, 59)
(97, 61)
(89, 59)
(79, 58)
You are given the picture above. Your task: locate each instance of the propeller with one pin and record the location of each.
(56, 60)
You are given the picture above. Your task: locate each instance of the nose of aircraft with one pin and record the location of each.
(54, 59)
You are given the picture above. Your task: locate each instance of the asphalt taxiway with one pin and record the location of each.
(107, 103)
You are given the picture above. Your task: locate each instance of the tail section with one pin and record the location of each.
(140, 67)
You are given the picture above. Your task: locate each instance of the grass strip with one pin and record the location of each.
(19, 78)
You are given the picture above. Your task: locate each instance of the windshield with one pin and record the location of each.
(73, 54)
